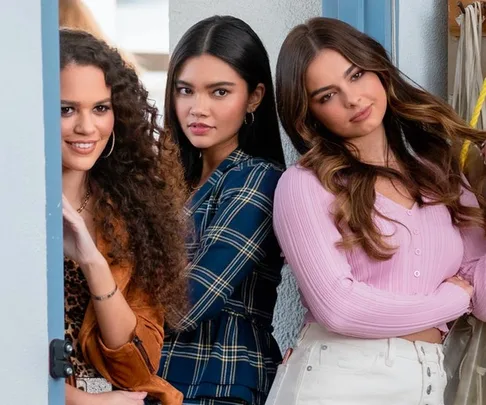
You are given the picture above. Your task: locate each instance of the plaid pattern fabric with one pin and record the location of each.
(226, 349)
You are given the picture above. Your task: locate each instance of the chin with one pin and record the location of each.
(78, 165)
(201, 143)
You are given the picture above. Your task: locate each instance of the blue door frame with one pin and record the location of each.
(376, 18)
(52, 136)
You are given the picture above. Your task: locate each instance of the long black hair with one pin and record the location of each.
(234, 42)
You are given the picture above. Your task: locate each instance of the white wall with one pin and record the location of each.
(271, 20)
(422, 43)
(23, 289)
(104, 12)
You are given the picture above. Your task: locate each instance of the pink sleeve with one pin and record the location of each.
(307, 235)
(473, 266)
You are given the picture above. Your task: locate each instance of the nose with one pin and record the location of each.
(200, 106)
(85, 124)
(351, 98)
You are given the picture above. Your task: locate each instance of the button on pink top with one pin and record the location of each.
(352, 294)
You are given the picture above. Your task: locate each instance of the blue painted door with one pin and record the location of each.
(374, 17)
(52, 131)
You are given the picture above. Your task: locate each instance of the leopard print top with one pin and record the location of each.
(76, 300)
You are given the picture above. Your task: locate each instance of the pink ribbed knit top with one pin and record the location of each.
(350, 293)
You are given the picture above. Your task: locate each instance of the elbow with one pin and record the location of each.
(480, 313)
(479, 306)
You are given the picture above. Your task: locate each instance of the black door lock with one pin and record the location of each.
(59, 364)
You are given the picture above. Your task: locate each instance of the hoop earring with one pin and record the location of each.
(112, 145)
(252, 118)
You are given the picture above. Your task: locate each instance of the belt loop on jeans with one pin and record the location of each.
(390, 353)
(440, 355)
(420, 352)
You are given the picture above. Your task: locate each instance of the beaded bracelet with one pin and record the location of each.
(106, 296)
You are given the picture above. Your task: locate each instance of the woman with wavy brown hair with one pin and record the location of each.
(382, 231)
(123, 197)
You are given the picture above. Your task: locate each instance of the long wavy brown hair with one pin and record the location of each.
(424, 134)
(141, 184)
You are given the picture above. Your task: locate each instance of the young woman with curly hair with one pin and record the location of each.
(123, 195)
(220, 108)
(376, 220)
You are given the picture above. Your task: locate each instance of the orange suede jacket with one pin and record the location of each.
(134, 365)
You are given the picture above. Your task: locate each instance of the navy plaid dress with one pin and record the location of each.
(226, 351)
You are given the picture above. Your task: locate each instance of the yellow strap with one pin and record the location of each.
(473, 123)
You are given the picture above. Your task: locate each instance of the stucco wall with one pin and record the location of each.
(422, 43)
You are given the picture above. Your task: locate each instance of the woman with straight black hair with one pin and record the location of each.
(220, 109)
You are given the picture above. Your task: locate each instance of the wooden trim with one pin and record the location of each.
(454, 11)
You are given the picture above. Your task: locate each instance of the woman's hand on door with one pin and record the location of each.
(78, 243)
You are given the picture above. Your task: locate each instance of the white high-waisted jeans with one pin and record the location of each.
(330, 369)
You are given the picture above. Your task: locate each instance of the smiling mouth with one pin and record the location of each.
(362, 115)
(82, 148)
(82, 145)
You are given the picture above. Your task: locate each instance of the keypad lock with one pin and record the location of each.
(59, 353)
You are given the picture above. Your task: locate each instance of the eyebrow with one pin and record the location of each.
(209, 86)
(322, 89)
(106, 100)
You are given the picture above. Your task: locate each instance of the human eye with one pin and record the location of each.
(66, 111)
(357, 75)
(326, 97)
(101, 108)
(185, 91)
(220, 92)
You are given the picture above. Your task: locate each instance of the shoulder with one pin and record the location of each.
(254, 173)
(298, 183)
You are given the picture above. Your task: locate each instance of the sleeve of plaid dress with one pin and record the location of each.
(233, 243)
(305, 229)
(473, 266)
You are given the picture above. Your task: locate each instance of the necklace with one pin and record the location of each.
(85, 201)
(82, 207)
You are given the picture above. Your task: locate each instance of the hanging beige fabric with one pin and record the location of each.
(465, 345)
(465, 363)
(468, 78)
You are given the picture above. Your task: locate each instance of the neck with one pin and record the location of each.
(373, 148)
(212, 157)
(74, 186)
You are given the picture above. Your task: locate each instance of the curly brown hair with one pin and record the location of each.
(141, 185)
(423, 133)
